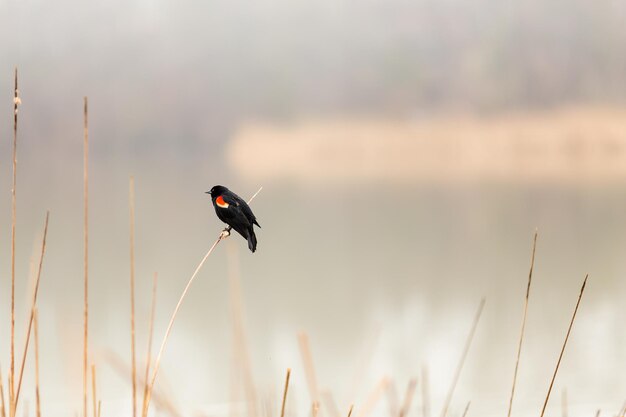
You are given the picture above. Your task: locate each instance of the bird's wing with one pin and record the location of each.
(243, 206)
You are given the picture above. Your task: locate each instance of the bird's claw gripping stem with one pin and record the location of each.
(225, 233)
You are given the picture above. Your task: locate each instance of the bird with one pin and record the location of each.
(235, 212)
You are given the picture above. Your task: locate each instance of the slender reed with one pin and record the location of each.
(93, 390)
(85, 248)
(131, 202)
(37, 391)
(309, 368)
(150, 332)
(373, 398)
(32, 312)
(408, 398)
(569, 329)
(16, 103)
(282, 407)
(466, 409)
(457, 374)
(2, 403)
(521, 336)
(350, 410)
(223, 235)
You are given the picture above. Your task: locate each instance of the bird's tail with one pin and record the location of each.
(251, 240)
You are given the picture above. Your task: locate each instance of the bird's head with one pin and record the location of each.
(217, 190)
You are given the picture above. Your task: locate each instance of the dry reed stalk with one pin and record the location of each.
(32, 312)
(408, 398)
(2, 403)
(569, 329)
(240, 343)
(309, 368)
(16, 103)
(598, 413)
(315, 408)
(330, 403)
(282, 407)
(373, 398)
(37, 391)
(466, 409)
(392, 399)
(521, 336)
(364, 362)
(85, 247)
(223, 235)
(161, 401)
(425, 393)
(457, 373)
(350, 410)
(93, 390)
(131, 203)
(150, 332)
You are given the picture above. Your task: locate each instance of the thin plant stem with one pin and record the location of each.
(93, 390)
(521, 336)
(16, 102)
(569, 329)
(85, 248)
(282, 407)
(459, 368)
(309, 368)
(37, 390)
(131, 192)
(32, 312)
(223, 235)
(150, 333)
(2, 403)
(466, 408)
(408, 398)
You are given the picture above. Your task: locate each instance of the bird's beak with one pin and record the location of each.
(207, 192)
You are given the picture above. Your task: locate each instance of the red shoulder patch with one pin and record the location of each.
(220, 202)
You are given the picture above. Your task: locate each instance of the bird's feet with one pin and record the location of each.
(225, 233)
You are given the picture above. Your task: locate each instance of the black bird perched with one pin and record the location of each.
(235, 212)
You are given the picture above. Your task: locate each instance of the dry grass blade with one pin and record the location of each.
(37, 391)
(2, 403)
(85, 248)
(350, 410)
(32, 312)
(131, 203)
(330, 403)
(16, 102)
(521, 336)
(162, 402)
(93, 390)
(392, 399)
(408, 398)
(150, 332)
(569, 330)
(157, 363)
(309, 368)
(373, 398)
(466, 409)
(598, 413)
(459, 368)
(282, 407)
